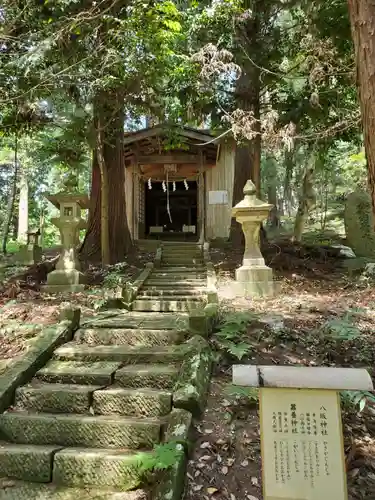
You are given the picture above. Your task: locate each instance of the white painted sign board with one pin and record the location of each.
(302, 447)
(218, 197)
(300, 428)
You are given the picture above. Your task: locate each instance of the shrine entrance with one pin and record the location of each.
(171, 213)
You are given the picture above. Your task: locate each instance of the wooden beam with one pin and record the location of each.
(166, 159)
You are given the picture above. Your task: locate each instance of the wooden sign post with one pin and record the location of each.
(300, 428)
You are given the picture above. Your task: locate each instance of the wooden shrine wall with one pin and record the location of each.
(220, 178)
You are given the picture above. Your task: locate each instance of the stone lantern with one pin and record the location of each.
(31, 253)
(67, 276)
(253, 278)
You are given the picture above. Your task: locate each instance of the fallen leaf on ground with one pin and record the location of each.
(224, 470)
(205, 445)
(254, 481)
(212, 491)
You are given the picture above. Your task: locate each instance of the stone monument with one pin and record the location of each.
(67, 276)
(359, 223)
(31, 253)
(253, 278)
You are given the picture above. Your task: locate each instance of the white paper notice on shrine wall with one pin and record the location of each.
(302, 447)
(218, 197)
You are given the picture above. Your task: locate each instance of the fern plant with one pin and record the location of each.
(229, 337)
(357, 399)
(248, 393)
(164, 456)
(342, 328)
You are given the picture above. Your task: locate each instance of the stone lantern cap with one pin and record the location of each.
(57, 199)
(251, 205)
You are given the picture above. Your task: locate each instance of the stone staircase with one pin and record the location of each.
(103, 397)
(179, 282)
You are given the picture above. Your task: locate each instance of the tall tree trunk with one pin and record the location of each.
(104, 205)
(362, 17)
(109, 107)
(23, 207)
(287, 194)
(11, 198)
(91, 247)
(307, 202)
(248, 86)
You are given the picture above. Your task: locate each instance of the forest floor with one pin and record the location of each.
(25, 309)
(319, 317)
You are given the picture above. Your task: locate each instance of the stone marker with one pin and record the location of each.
(300, 428)
(67, 276)
(31, 252)
(359, 223)
(253, 278)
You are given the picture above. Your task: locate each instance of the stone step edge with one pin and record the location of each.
(70, 466)
(105, 400)
(73, 430)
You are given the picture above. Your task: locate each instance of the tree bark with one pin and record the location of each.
(104, 192)
(248, 86)
(289, 167)
(307, 202)
(362, 17)
(11, 198)
(23, 208)
(91, 247)
(109, 107)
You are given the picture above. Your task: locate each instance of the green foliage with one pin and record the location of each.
(357, 399)
(342, 328)
(164, 456)
(250, 393)
(114, 277)
(231, 330)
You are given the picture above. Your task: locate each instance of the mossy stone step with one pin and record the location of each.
(188, 269)
(194, 297)
(175, 284)
(79, 430)
(78, 372)
(131, 337)
(182, 263)
(135, 320)
(27, 462)
(93, 467)
(163, 305)
(132, 402)
(121, 353)
(168, 293)
(54, 398)
(150, 376)
(179, 274)
(21, 490)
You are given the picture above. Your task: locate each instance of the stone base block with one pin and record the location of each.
(103, 468)
(153, 376)
(253, 282)
(132, 402)
(29, 255)
(65, 277)
(62, 288)
(31, 463)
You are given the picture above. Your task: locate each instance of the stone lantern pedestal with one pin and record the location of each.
(67, 276)
(253, 278)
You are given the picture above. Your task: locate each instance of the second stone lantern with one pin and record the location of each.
(67, 276)
(253, 278)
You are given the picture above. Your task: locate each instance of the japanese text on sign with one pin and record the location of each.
(302, 444)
